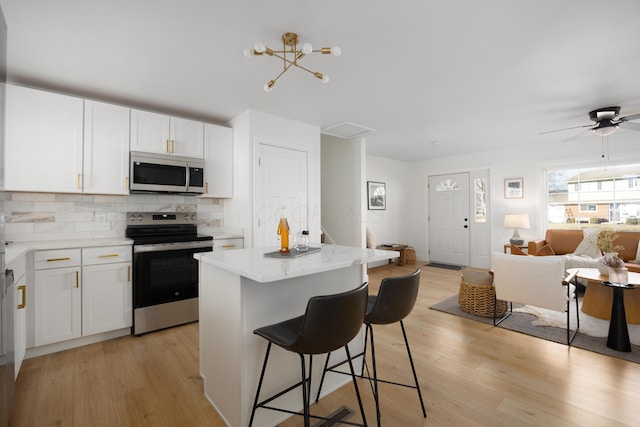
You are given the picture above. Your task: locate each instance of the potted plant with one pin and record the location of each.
(605, 242)
(610, 260)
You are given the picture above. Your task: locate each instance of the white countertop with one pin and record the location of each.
(252, 264)
(16, 249)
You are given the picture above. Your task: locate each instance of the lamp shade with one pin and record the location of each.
(516, 221)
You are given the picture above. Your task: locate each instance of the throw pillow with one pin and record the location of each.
(517, 251)
(545, 251)
(587, 246)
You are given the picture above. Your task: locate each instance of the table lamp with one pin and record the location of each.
(516, 221)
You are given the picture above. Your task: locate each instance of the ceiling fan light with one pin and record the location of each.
(605, 131)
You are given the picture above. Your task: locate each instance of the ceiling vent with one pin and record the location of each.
(346, 130)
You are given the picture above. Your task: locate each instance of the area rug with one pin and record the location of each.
(539, 323)
(445, 266)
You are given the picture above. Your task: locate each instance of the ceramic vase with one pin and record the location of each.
(602, 267)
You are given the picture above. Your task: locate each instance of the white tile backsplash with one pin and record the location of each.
(48, 216)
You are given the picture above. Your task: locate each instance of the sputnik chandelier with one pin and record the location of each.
(290, 56)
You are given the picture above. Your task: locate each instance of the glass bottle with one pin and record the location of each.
(283, 231)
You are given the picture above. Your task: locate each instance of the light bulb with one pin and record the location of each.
(307, 48)
(248, 53)
(260, 47)
(269, 86)
(325, 78)
(336, 51)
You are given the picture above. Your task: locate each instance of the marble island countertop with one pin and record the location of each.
(252, 264)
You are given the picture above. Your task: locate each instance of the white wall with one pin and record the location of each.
(343, 200)
(392, 225)
(250, 128)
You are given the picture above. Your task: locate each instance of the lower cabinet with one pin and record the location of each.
(106, 297)
(91, 296)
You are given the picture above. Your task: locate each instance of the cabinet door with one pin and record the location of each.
(218, 155)
(187, 138)
(20, 323)
(57, 314)
(106, 297)
(150, 132)
(106, 148)
(43, 148)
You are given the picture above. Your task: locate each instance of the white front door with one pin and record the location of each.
(281, 181)
(449, 219)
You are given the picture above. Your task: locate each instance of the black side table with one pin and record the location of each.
(618, 338)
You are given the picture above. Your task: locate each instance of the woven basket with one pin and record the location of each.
(478, 299)
(410, 257)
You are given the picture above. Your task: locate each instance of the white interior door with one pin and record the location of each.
(281, 180)
(449, 219)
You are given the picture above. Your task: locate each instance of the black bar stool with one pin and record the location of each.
(395, 300)
(329, 323)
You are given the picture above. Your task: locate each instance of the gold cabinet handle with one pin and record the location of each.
(173, 146)
(128, 273)
(166, 145)
(228, 246)
(126, 182)
(79, 183)
(77, 280)
(108, 256)
(23, 289)
(206, 188)
(58, 259)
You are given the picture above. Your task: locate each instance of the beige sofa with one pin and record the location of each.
(563, 242)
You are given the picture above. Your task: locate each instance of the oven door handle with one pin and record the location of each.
(174, 246)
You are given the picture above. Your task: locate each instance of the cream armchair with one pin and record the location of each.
(537, 281)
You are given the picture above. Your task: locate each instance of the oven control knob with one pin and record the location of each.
(186, 217)
(140, 217)
(132, 218)
(193, 217)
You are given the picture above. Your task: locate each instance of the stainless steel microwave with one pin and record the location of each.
(159, 173)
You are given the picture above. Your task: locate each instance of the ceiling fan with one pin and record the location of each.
(606, 122)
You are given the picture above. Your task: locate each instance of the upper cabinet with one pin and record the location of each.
(106, 148)
(218, 155)
(43, 145)
(159, 133)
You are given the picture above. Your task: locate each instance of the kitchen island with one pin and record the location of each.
(241, 290)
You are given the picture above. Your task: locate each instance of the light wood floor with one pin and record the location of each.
(471, 374)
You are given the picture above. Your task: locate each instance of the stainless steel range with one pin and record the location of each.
(165, 275)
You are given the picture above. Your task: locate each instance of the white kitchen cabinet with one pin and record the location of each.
(43, 142)
(57, 306)
(227, 244)
(107, 291)
(106, 148)
(159, 133)
(20, 323)
(81, 292)
(218, 156)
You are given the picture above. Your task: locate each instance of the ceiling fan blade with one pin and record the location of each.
(630, 126)
(560, 130)
(576, 136)
(631, 117)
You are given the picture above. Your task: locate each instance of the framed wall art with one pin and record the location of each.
(377, 195)
(513, 188)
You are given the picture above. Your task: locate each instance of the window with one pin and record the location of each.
(594, 196)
